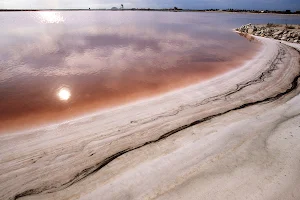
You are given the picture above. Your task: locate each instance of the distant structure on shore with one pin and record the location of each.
(114, 8)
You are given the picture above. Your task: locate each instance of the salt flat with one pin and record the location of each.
(232, 137)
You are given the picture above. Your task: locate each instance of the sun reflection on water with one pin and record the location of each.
(50, 17)
(64, 94)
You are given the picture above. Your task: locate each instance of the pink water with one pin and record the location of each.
(59, 65)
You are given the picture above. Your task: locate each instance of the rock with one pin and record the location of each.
(295, 41)
(242, 29)
(278, 33)
(276, 37)
(250, 30)
(284, 38)
(293, 35)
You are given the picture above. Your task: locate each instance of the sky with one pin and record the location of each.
(189, 4)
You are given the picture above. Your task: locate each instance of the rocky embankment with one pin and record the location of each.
(290, 33)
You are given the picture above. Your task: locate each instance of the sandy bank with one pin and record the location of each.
(233, 137)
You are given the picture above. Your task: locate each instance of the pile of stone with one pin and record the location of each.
(278, 32)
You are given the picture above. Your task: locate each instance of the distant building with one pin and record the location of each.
(114, 8)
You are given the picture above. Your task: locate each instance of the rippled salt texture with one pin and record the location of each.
(61, 64)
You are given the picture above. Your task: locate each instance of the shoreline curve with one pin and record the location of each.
(63, 162)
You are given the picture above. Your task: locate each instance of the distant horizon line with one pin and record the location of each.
(130, 9)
